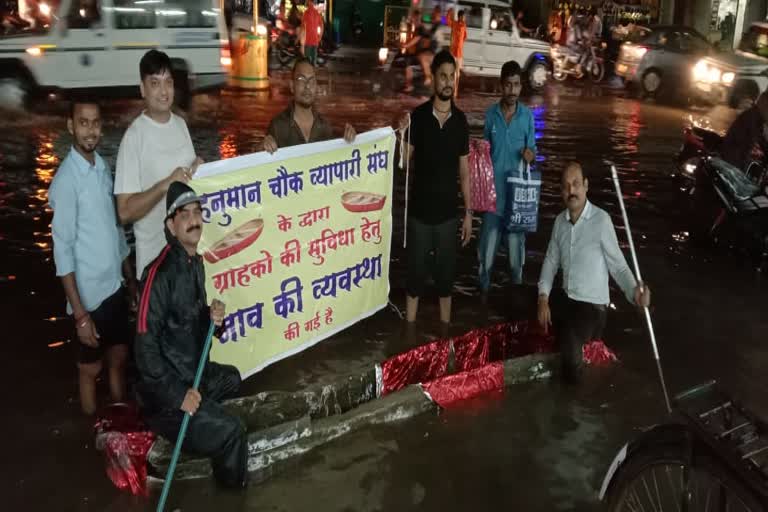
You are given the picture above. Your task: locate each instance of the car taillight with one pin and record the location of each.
(226, 55)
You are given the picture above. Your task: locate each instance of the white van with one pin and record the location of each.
(493, 39)
(97, 44)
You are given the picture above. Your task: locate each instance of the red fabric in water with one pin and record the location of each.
(597, 354)
(122, 435)
(420, 364)
(451, 389)
(473, 350)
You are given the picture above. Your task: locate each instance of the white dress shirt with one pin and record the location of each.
(587, 252)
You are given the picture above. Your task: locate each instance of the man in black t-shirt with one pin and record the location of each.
(439, 145)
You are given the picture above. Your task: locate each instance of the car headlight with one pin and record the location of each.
(728, 77)
(700, 71)
(714, 75)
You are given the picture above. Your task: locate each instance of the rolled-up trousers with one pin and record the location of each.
(212, 431)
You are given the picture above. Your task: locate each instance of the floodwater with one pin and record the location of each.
(540, 447)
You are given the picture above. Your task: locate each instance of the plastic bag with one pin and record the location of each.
(482, 188)
(523, 200)
(125, 441)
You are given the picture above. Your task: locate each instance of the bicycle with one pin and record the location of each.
(713, 455)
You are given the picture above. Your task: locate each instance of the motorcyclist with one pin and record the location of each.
(747, 138)
(420, 50)
(575, 41)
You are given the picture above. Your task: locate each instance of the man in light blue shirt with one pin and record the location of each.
(584, 245)
(510, 129)
(90, 253)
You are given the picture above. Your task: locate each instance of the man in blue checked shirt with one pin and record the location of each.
(91, 257)
(510, 130)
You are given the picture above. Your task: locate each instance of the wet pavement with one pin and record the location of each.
(540, 447)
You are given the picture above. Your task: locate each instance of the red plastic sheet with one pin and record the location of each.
(473, 350)
(451, 389)
(125, 440)
(420, 364)
(597, 354)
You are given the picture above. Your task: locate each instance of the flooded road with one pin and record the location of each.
(540, 447)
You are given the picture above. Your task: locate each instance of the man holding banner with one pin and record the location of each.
(172, 328)
(156, 150)
(510, 130)
(439, 144)
(300, 123)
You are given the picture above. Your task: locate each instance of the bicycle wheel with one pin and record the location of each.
(654, 480)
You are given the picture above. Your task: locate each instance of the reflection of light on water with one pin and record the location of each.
(681, 236)
(539, 125)
(46, 161)
(227, 146)
(626, 130)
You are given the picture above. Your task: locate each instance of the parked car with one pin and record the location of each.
(735, 78)
(97, 45)
(660, 59)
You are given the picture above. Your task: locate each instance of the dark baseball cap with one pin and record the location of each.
(179, 195)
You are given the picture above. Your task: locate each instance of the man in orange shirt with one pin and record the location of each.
(312, 28)
(458, 36)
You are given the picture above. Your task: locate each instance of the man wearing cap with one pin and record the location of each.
(172, 325)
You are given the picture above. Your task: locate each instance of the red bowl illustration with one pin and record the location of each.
(359, 202)
(235, 241)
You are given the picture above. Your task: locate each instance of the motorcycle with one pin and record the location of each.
(564, 63)
(725, 202)
(286, 47)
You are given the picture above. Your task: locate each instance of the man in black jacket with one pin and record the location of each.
(173, 322)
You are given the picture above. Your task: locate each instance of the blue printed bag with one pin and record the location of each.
(523, 191)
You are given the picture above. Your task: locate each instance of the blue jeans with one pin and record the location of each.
(491, 233)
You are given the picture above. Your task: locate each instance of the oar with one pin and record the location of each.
(185, 422)
(647, 311)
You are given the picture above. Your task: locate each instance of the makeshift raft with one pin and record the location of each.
(283, 425)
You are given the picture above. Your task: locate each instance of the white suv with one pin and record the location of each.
(736, 78)
(97, 44)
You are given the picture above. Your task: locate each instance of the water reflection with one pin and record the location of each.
(227, 145)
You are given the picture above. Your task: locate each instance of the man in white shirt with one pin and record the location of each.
(156, 150)
(584, 245)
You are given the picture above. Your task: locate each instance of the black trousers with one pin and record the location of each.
(576, 323)
(423, 239)
(212, 431)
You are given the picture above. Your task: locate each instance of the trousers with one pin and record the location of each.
(491, 233)
(576, 323)
(212, 431)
